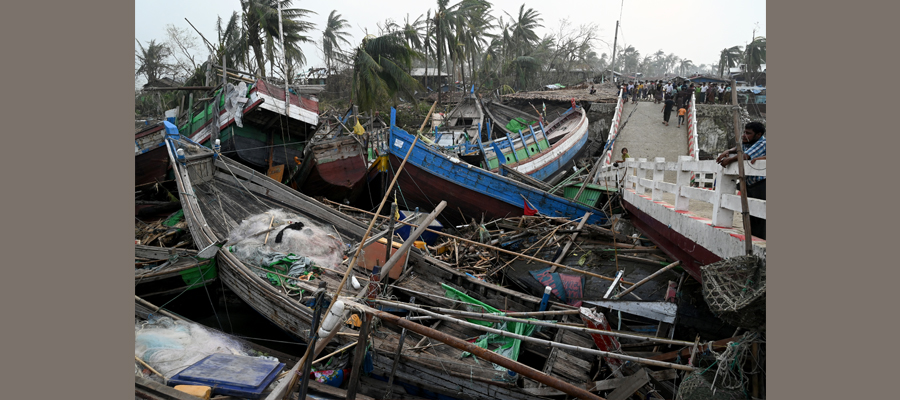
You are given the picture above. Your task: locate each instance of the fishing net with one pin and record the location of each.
(295, 246)
(170, 346)
(725, 378)
(735, 289)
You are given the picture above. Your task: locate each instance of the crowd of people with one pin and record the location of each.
(659, 91)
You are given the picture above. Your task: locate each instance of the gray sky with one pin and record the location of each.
(693, 29)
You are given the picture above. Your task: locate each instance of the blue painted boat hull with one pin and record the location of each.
(429, 177)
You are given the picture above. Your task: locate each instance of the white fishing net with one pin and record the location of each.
(311, 242)
(170, 346)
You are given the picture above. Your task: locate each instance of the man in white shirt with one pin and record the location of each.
(721, 94)
(703, 93)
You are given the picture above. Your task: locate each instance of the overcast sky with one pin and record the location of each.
(694, 29)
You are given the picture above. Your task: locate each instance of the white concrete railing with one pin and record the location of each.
(724, 199)
(693, 143)
(613, 130)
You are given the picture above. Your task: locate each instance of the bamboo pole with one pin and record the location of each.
(576, 328)
(487, 246)
(427, 115)
(517, 336)
(484, 354)
(150, 368)
(647, 279)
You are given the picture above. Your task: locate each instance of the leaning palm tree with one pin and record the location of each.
(379, 70)
(332, 37)
(728, 58)
(755, 57)
(261, 23)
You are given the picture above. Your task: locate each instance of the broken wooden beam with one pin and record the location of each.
(525, 338)
(484, 354)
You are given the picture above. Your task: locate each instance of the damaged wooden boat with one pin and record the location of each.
(538, 151)
(163, 271)
(256, 126)
(334, 165)
(462, 124)
(218, 194)
(431, 176)
(151, 162)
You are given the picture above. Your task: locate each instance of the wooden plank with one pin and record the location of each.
(630, 385)
(609, 384)
(573, 360)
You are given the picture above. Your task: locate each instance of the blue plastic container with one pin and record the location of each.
(230, 375)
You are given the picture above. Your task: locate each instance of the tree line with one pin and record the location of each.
(464, 40)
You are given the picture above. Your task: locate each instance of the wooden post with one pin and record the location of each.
(745, 209)
(358, 356)
(390, 240)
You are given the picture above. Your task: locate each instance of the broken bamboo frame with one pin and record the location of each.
(496, 317)
(484, 354)
(565, 249)
(566, 326)
(527, 257)
(647, 279)
(524, 338)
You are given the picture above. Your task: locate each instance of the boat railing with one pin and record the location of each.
(642, 176)
(613, 130)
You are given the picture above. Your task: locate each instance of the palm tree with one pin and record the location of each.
(333, 34)
(152, 60)
(522, 30)
(379, 70)
(755, 56)
(685, 65)
(232, 42)
(261, 23)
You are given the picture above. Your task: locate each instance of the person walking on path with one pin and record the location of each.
(753, 142)
(667, 110)
(681, 112)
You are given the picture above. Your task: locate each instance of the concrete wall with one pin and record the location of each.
(599, 118)
(715, 126)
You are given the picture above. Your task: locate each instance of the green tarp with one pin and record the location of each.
(508, 347)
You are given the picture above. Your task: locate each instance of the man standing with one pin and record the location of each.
(667, 110)
(753, 142)
(703, 90)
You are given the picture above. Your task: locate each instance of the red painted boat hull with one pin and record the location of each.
(421, 189)
(676, 245)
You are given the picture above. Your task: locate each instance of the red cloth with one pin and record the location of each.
(528, 210)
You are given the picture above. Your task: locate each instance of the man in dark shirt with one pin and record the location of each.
(667, 110)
